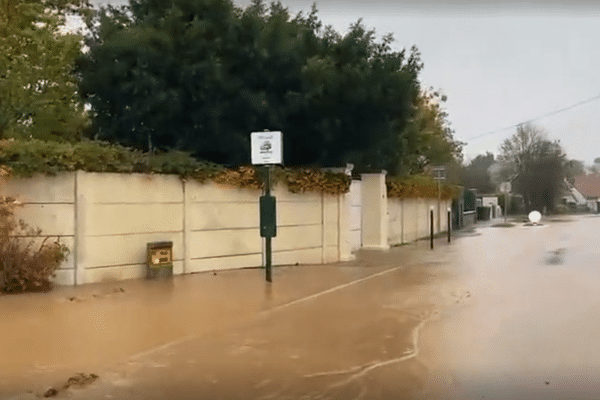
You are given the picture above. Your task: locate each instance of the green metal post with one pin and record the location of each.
(269, 276)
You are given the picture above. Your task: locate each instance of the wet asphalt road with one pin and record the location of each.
(501, 313)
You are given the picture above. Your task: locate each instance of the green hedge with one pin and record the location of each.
(422, 186)
(26, 158)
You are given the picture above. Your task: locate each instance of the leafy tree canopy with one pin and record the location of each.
(536, 166)
(200, 75)
(38, 89)
(476, 175)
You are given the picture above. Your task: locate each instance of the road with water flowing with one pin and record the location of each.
(500, 313)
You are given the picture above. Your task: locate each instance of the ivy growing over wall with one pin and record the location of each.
(419, 186)
(24, 158)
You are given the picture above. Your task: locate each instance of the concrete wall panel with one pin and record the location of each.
(116, 219)
(395, 224)
(64, 277)
(298, 237)
(127, 249)
(131, 188)
(53, 219)
(284, 195)
(225, 243)
(330, 254)
(331, 235)
(213, 193)
(303, 256)
(42, 188)
(330, 206)
(298, 213)
(213, 216)
(222, 263)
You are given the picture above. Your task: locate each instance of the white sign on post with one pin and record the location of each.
(439, 173)
(267, 148)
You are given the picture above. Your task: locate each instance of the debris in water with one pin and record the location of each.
(80, 379)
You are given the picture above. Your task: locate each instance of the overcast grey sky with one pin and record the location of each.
(499, 63)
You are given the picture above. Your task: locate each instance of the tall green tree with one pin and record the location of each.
(477, 174)
(537, 166)
(38, 87)
(200, 75)
(572, 169)
(428, 138)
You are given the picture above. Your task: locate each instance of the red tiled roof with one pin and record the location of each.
(588, 185)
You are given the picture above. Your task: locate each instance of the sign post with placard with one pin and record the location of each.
(439, 174)
(267, 150)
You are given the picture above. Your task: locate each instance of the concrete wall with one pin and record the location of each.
(355, 215)
(409, 218)
(106, 220)
(374, 223)
(470, 218)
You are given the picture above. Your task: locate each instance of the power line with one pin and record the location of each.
(536, 118)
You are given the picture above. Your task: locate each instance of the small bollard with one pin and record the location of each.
(431, 229)
(449, 226)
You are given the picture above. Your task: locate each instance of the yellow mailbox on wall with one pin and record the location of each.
(160, 259)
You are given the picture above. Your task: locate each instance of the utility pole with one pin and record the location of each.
(439, 174)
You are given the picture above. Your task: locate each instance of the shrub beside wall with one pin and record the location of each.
(25, 264)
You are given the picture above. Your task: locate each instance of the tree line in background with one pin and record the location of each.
(200, 75)
(537, 168)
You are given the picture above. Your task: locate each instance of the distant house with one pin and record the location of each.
(490, 201)
(588, 188)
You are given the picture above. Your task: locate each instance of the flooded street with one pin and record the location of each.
(501, 313)
(325, 331)
(531, 329)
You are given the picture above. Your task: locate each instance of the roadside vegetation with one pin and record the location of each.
(27, 262)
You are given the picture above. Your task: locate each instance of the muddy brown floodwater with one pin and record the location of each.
(499, 313)
(531, 329)
(324, 332)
